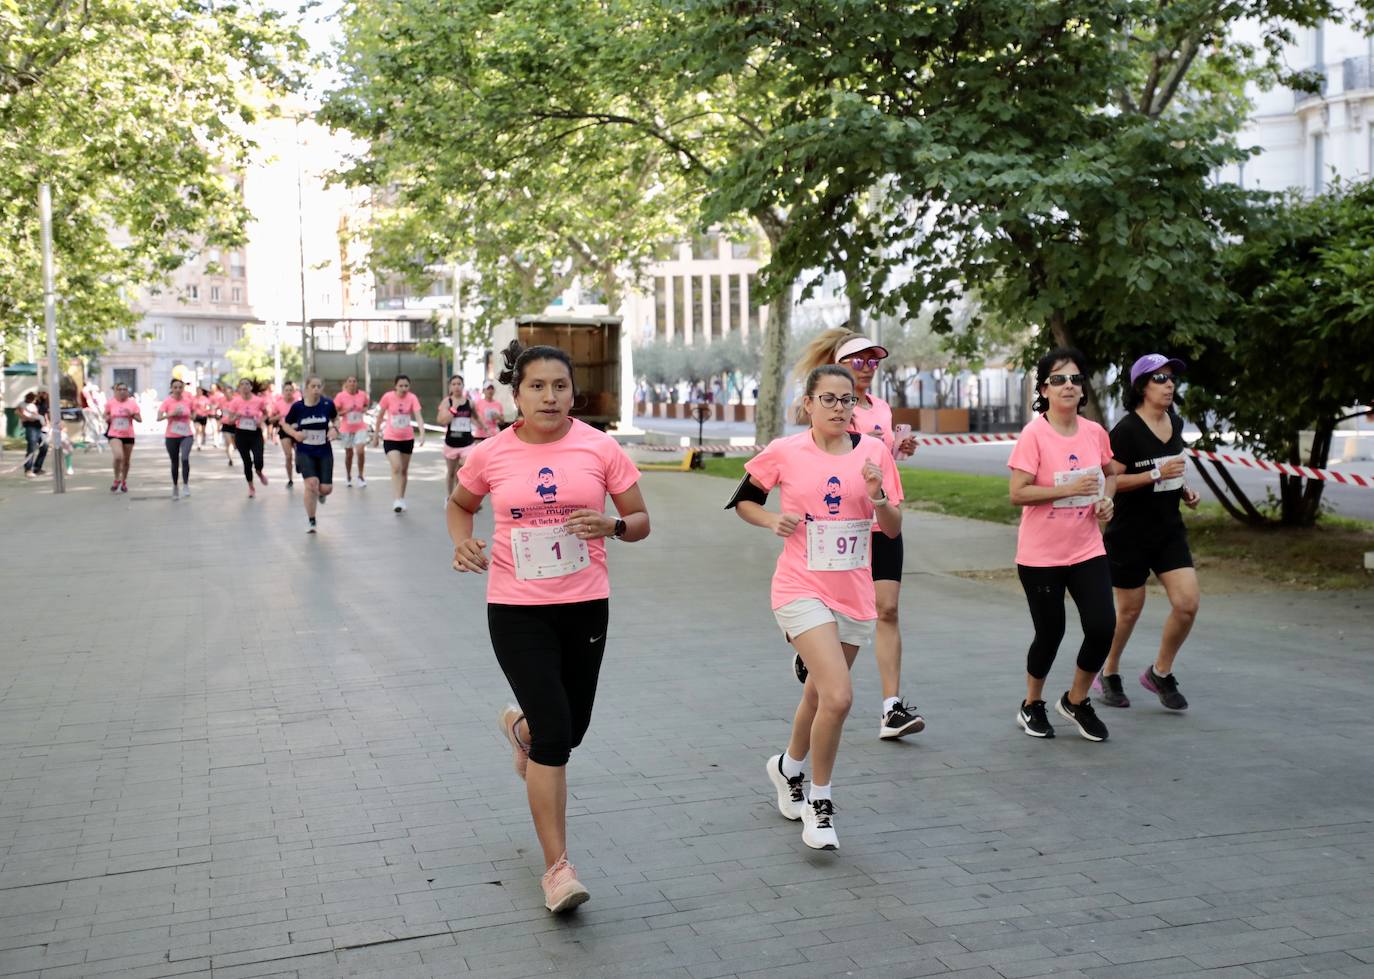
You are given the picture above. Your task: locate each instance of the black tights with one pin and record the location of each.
(551, 655)
(1090, 585)
(249, 445)
(179, 451)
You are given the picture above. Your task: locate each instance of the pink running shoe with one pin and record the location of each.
(262, 476)
(124, 486)
(251, 492)
(511, 716)
(562, 890)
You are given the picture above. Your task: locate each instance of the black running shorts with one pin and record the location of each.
(406, 446)
(1131, 563)
(887, 557)
(319, 467)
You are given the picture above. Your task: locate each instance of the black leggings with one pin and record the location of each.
(179, 450)
(551, 655)
(249, 445)
(1090, 585)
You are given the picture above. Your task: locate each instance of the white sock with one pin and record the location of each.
(791, 768)
(818, 792)
(889, 703)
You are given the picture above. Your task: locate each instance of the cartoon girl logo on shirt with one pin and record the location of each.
(832, 495)
(1073, 462)
(547, 487)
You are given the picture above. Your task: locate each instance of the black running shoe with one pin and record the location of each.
(1083, 716)
(799, 668)
(1033, 719)
(1113, 693)
(1165, 687)
(901, 720)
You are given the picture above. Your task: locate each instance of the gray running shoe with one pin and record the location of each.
(1111, 690)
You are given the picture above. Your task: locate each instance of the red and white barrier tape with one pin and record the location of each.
(1226, 459)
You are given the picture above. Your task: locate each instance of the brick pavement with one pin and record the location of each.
(266, 754)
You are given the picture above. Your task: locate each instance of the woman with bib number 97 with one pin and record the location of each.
(548, 592)
(834, 484)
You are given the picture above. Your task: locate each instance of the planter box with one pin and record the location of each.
(907, 416)
(741, 413)
(718, 412)
(944, 420)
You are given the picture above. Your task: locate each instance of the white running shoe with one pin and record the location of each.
(176, 492)
(818, 825)
(362, 483)
(791, 798)
(309, 526)
(350, 482)
(398, 505)
(186, 490)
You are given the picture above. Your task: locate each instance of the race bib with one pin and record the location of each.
(355, 418)
(838, 545)
(246, 424)
(1166, 485)
(180, 428)
(1068, 476)
(315, 436)
(460, 426)
(121, 424)
(401, 420)
(547, 552)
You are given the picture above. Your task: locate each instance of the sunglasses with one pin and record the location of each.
(859, 363)
(829, 400)
(1160, 377)
(1059, 380)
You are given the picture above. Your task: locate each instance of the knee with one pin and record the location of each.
(887, 611)
(1129, 611)
(836, 700)
(553, 747)
(325, 490)
(1186, 607)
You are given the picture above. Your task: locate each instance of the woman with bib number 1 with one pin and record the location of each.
(548, 592)
(834, 484)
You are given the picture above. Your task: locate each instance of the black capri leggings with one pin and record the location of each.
(179, 452)
(249, 445)
(551, 655)
(1090, 585)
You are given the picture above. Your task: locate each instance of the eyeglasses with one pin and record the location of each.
(1160, 377)
(859, 363)
(829, 400)
(1059, 380)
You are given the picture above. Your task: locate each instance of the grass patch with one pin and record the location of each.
(1328, 556)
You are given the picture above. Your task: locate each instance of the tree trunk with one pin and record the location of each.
(1301, 498)
(768, 412)
(1063, 337)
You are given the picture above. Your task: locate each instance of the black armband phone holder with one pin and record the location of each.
(747, 491)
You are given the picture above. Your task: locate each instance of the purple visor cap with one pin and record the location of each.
(1153, 362)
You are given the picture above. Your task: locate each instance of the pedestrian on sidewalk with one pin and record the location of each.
(121, 412)
(548, 593)
(35, 447)
(873, 417)
(834, 484)
(1147, 533)
(1060, 479)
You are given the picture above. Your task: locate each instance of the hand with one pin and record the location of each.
(907, 446)
(1191, 498)
(1104, 508)
(785, 525)
(1173, 469)
(468, 556)
(589, 524)
(873, 478)
(1085, 485)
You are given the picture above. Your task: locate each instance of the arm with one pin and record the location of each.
(445, 414)
(888, 516)
(290, 431)
(591, 525)
(782, 524)
(467, 550)
(1024, 492)
(420, 422)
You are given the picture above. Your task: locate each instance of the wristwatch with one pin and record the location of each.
(620, 529)
(880, 500)
(1156, 475)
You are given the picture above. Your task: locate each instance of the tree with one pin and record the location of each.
(1297, 350)
(250, 359)
(135, 111)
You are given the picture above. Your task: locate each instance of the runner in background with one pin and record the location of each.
(121, 412)
(401, 411)
(248, 411)
(1147, 533)
(486, 423)
(873, 417)
(224, 419)
(456, 415)
(548, 593)
(201, 407)
(834, 484)
(310, 422)
(352, 404)
(281, 404)
(1060, 477)
(177, 409)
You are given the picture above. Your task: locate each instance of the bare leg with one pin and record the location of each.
(361, 454)
(826, 699)
(547, 788)
(398, 486)
(1184, 598)
(405, 474)
(1035, 689)
(116, 457)
(451, 475)
(128, 458)
(312, 492)
(1082, 682)
(1129, 602)
(887, 642)
(348, 463)
(288, 452)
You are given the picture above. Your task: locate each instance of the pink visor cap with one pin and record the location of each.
(1153, 362)
(850, 347)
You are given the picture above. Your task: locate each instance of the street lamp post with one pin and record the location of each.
(306, 365)
(50, 321)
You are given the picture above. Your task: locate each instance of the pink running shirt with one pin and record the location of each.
(252, 409)
(540, 486)
(121, 415)
(351, 404)
(873, 419)
(483, 426)
(202, 405)
(822, 486)
(393, 404)
(178, 417)
(1050, 536)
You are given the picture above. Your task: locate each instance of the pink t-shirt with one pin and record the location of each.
(178, 417)
(483, 424)
(393, 404)
(873, 419)
(202, 405)
(121, 415)
(822, 486)
(253, 409)
(539, 486)
(348, 404)
(1057, 536)
(281, 404)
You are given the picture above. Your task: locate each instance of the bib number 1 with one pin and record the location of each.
(547, 552)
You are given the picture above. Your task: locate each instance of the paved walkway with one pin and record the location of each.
(228, 749)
